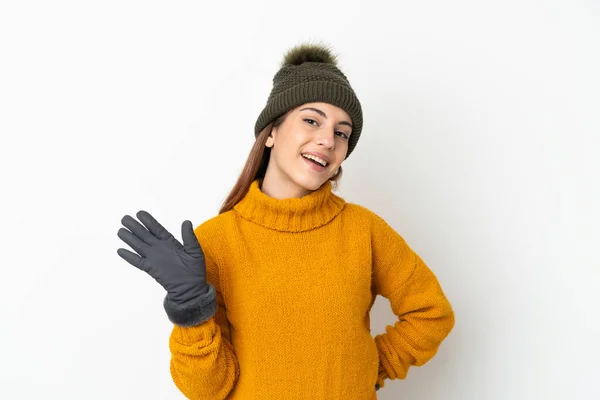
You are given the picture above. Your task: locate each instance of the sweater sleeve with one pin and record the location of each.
(425, 316)
(203, 362)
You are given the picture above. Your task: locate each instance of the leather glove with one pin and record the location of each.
(179, 269)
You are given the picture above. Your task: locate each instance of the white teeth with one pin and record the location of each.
(317, 159)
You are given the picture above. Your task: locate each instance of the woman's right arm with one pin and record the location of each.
(203, 361)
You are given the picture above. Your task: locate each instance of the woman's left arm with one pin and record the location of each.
(425, 316)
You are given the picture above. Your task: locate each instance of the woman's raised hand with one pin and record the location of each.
(180, 269)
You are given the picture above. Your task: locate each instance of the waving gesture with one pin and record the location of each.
(179, 268)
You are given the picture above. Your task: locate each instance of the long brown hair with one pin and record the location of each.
(256, 167)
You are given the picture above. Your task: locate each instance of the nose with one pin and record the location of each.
(326, 137)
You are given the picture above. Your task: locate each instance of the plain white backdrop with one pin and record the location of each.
(480, 147)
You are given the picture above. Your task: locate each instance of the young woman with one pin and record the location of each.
(270, 299)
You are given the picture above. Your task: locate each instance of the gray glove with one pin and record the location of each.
(180, 269)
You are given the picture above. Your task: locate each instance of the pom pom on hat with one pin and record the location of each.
(309, 53)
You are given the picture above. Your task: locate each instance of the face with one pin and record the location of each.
(312, 129)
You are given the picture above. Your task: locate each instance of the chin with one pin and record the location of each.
(310, 183)
(308, 179)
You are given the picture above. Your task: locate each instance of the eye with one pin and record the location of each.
(309, 120)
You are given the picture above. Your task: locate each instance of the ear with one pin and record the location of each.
(271, 139)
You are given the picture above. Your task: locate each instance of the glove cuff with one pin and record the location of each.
(193, 313)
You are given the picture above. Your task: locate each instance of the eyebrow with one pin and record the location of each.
(321, 113)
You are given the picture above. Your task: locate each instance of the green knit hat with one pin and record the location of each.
(309, 73)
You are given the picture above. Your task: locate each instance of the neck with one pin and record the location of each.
(283, 191)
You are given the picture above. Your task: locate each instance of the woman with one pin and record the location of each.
(270, 299)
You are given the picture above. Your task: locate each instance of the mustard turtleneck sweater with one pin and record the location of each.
(295, 281)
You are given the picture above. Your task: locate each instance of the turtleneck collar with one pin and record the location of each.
(292, 214)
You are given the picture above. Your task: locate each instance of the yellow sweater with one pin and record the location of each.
(295, 281)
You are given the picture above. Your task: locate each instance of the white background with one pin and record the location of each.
(480, 146)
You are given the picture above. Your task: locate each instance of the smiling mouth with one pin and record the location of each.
(314, 162)
(314, 165)
(315, 159)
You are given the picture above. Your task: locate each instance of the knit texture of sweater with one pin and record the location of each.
(296, 279)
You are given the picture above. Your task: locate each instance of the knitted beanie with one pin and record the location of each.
(309, 73)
